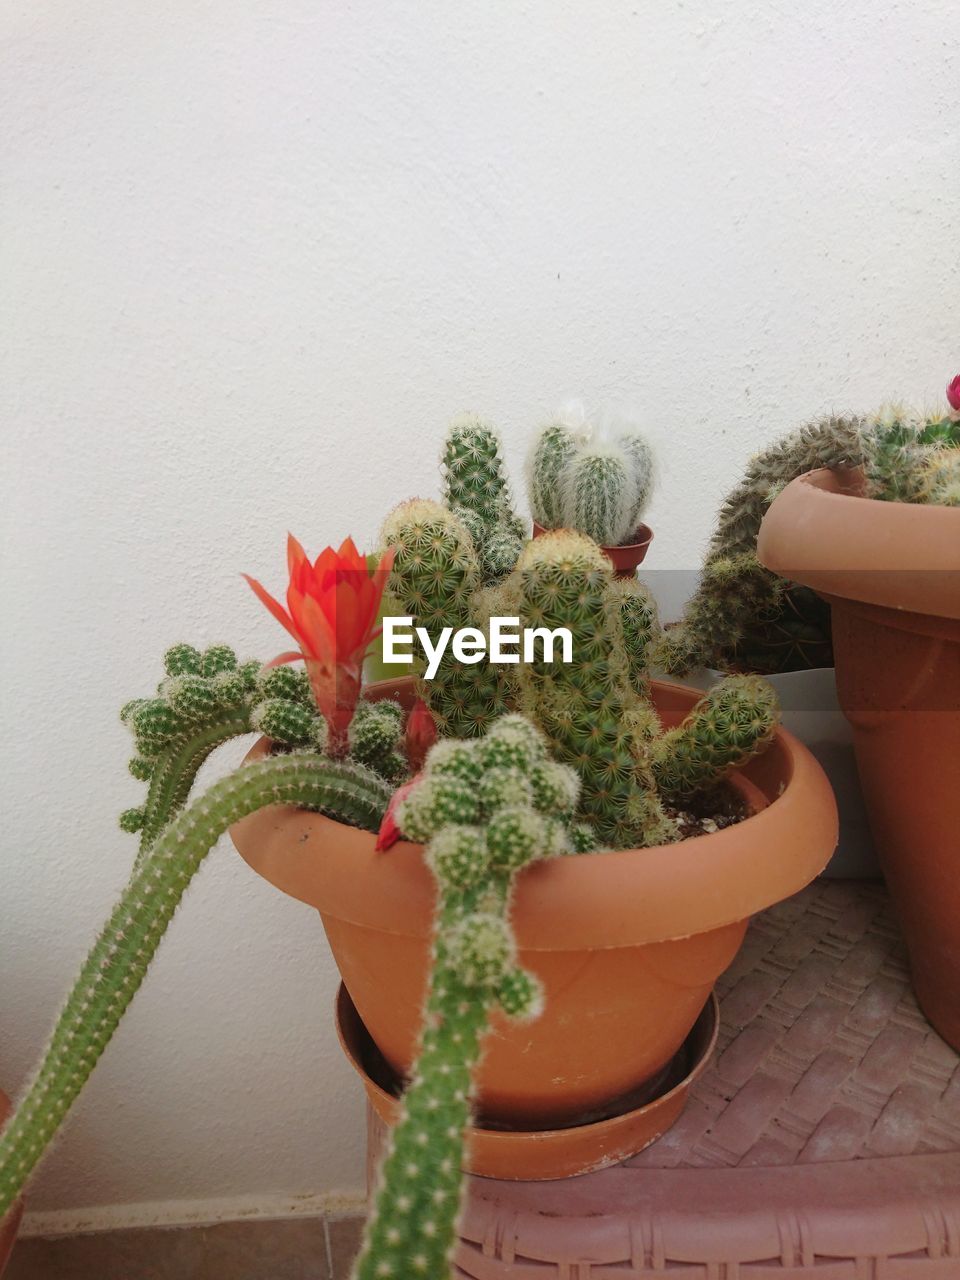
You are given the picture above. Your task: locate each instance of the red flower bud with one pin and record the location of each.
(953, 393)
(390, 832)
(421, 734)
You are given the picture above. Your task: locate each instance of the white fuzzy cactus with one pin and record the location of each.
(598, 481)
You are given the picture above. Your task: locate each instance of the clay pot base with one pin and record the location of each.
(822, 1140)
(594, 1142)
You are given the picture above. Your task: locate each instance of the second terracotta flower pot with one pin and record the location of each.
(627, 944)
(891, 572)
(626, 558)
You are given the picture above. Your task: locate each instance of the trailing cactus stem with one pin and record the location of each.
(175, 772)
(413, 1229)
(118, 962)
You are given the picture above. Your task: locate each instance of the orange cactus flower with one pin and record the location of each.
(332, 608)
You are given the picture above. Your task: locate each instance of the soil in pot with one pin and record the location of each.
(628, 944)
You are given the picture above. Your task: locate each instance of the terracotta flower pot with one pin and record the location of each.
(625, 558)
(891, 572)
(10, 1224)
(628, 945)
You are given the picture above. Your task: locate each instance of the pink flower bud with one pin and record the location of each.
(953, 393)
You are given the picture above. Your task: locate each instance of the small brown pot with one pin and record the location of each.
(891, 572)
(9, 1224)
(627, 944)
(624, 559)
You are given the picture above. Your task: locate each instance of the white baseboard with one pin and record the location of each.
(189, 1213)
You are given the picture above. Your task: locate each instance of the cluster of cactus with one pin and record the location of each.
(575, 480)
(207, 698)
(595, 711)
(485, 808)
(744, 616)
(907, 458)
(477, 492)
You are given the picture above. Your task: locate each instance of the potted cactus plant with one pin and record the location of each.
(743, 617)
(580, 476)
(573, 828)
(881, 543)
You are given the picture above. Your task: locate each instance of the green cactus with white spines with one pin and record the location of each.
(547, 461)
(477, 491)
(640, 625)
(743, 614)
(118, 962)
(740, 605)
(911, 458)
(475, 847)
(588, 708)
(600, 488)
(436, 580)
(727, 727)
(600, 495)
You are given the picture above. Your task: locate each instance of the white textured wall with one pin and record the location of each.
(254, 255)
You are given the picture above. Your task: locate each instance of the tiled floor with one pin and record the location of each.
(288, 1249)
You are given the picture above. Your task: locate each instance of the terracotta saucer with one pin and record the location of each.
(547, 1154)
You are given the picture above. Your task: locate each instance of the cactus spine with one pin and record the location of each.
(477, 493)
(487, 808)
(600, 488)
(118, 962)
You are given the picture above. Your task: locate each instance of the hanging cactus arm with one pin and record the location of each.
(118, 962)
(204, 701)
(487, 808)
(727, 727)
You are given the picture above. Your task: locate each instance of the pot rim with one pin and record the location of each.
(823, 532)
(618, 898)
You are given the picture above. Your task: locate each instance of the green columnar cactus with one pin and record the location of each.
(550, 455)
(640, 625)
(588, 709)
(728, 726)
(477, 492)
(118, 962)
(599, 488)
(596, 710)
(740, 606)
(436, 580)
(486, 808)
(600, 495)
